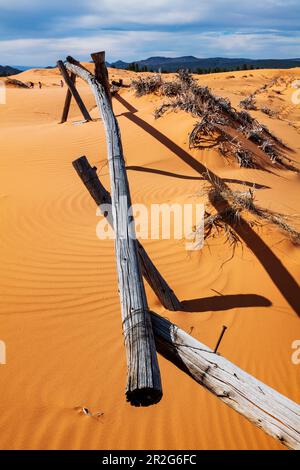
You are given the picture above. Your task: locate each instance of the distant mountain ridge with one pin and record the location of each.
(6, 70)
(172, 64)
(23, 68)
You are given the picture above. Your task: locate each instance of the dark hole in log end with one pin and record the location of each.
(143, 396)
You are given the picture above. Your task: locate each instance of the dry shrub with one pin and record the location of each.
(249, 103)
(268, 111)
(170, 89)
(232, 205)
(146, 85)
(205, 131)
(217, 115)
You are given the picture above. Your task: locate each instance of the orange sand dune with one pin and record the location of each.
(60, 312)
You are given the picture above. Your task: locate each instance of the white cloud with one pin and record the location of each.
(133, 45)
(118, 13)
(149, 11)
(267, 28)
(229, 13)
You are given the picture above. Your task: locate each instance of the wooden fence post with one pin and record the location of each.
(144, 383)
(267, 409)
(101, 196)
(74, 91)
(66, 109)
(101, 72)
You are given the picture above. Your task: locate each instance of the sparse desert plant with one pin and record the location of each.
(185, 77)
(217, 118)
(206, 133)
(267, 111)
(232, 205)
(248, 103)
(146, 85)
(171, 88)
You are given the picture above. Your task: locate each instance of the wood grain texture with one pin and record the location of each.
(101, 72)
(270, 411)
(144, 383)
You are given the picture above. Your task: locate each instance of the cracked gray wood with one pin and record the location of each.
(144, 382)
(270, 411)
(101, 196)
(101, 73)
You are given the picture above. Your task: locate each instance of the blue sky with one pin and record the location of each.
(35, 32)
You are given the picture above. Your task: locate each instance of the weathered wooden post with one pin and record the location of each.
(66, 109)
(270, 411)
(73, 90)
(101, 196)
(101, 73)
(144, 383)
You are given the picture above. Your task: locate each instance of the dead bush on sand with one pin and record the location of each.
(146, 85)
(232, 205)
(268, 111)
(249, 103)
(218, 118)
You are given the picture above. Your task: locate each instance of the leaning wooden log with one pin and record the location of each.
(101, 196)
(73, 90)
(67, 105)
(270, 411)
(144, 383)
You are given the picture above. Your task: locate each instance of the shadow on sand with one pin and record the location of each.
(194, 178)
(281, 277)
(225, 302)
